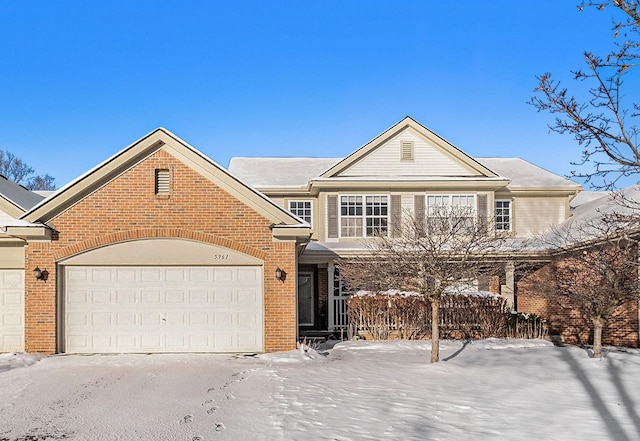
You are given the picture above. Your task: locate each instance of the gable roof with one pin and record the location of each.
(160, 138)
(261, 172)
(437, 141)
(524, 174)
(16, 198)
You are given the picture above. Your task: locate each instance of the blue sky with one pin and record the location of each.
(81, 80)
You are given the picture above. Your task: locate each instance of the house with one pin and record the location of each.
(157, 249)
(160, 249)
(405, 169)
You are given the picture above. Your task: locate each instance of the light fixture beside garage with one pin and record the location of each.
(41, 274)
(281, 274)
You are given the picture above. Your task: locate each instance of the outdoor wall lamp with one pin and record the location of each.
(41, 274)
(281, 274)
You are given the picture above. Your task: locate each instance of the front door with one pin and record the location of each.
(305, 299)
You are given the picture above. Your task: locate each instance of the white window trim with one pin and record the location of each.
(363, 232)
(305, 201)
(474, 205)
(495, 217)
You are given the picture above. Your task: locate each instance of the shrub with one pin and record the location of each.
(407, 315)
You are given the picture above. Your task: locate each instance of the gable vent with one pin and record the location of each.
(406, 150)
(162, 181)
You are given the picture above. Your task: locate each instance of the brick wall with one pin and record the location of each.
(538, 294)
(128, 208)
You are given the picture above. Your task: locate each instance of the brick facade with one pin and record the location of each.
(127, 208)
(537, 294)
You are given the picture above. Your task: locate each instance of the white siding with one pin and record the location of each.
(407, 203)
(429, 160)
(534, 215)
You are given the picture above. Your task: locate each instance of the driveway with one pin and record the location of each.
(134, 397)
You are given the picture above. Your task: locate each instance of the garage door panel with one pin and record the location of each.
(151, 275)
(163, 309)
(126, 319)
(125, 297)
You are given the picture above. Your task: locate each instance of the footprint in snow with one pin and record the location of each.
(207, 402)
(186, 419)
(197, 438)
(219, 427)
(211, 410)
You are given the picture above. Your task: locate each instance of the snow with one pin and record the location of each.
(357, 390)
(467, 292)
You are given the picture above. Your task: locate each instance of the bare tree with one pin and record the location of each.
(16, 170)
(596, 269)
(430, 256)
(603, 123)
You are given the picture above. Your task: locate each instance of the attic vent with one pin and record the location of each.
(406, 150)
(162, 181)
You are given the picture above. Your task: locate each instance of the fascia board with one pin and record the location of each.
(10, 207)
(36, 232)
(95, 178)
(544, 191)
(136, 152)
(335, 184)
(300, 233)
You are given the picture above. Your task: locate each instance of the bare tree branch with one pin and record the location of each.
(604, 123)
(447, 250)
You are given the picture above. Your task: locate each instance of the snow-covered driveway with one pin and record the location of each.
(132, 397)
(485, 390)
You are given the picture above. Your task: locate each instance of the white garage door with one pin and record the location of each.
(163, 309)
(11, 310)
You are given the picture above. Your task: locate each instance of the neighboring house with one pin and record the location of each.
(157, 249)
(537, 292)
(405, 169)
(15, 200)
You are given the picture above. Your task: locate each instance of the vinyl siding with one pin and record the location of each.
(429, 160)
(534, 215)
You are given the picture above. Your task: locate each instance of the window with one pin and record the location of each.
(363, 216)
(440, 208)
(406, 150)
(163, 182)
(451, 203)
(503, 215)
(302, 209)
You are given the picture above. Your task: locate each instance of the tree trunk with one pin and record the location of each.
(598, 323)
(435, 330)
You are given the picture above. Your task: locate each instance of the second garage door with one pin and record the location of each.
(163, 309)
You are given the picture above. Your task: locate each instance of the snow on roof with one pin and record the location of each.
(586, 196)
(525, 174)
(279, 172)
(262, 172)
(586, 219)
(17, 194)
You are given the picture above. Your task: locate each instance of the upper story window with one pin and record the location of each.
(464, 204)
(441, 207)
(363, 216)
(302, 209)
(503, 215)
